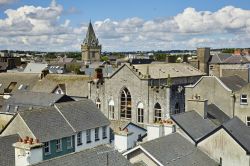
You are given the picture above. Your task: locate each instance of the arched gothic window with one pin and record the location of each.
(157, 112)
(126, 104)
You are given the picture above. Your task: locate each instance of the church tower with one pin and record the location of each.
(91, 49)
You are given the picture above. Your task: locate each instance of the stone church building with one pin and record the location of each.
(91, 49)
(143, 93)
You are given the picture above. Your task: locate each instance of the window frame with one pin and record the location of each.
(47, 146)
(125, 104)
(104, 132)
(58, 145)
(88, 136)
(98, 103)
(111, 109)
(157, 113)
(140, 115)
(79, 138)
(248, 121)
(243, 100)
(97, 138)
(69, 140)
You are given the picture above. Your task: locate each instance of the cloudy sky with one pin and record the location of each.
(131, 25)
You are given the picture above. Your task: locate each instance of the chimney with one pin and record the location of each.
(203, 56)
(237, 52)
(28, 152)
(98, 73)
(198, 104)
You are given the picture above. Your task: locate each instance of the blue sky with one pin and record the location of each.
(134, 24)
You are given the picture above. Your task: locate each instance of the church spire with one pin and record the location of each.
(90, 38)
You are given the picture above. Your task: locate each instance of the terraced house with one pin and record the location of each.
(62, 129)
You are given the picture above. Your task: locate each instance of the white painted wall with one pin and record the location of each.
(121, 142)
(93, 143)
(154, 131)
(28, 157)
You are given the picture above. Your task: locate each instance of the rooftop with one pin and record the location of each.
(193, 124)
(233, 82)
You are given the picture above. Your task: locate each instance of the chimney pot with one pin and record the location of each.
(126, 129)
(25, 141)
(20, 140)
(120, 129)
(36, 140)
(30, 141)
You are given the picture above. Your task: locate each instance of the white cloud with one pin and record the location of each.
(41, 28)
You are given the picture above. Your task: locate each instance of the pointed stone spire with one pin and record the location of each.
(90, 38)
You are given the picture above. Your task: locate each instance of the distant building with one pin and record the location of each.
(91, 49)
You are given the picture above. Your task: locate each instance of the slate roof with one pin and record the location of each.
(193, 124)
(35, 67)
(76, 85)
(239, 131)
(26, 99)
(82, 115)
(25, 79)
(163, 70)
(96, 156)
(225, 58)
(233, 82)
(216, 115)
(116, 124)
(7, 154)
(175, 150)
(46, 124)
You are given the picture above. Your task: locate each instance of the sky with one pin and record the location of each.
(131, 25)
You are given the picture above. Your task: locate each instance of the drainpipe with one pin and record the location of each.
(233, 102)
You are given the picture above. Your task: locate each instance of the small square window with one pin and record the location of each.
(96, 134)
(46, 148)
(243, 99)
(248, 121)
(69, 143)
(79, 138)
(88, 136)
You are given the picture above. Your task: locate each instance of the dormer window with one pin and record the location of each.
(243, 99)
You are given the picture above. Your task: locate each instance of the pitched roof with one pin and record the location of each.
(90, 38)
(82, 115)
(35, 67)
(76, 85)
(46, 124)
(216, 115)
(226, 58)
(239, 131)
(90, 157)
(163, 70)
(193, 124)
(7, 154)
(26, 80)
(175, 150)
(26, 99)
(115, 125)
(233, 82)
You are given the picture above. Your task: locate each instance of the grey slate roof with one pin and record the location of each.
(46, 124)
(91, 157)
(226, 58)
(26, 99)
(175, 150)
(219, 58)
(216, 115)
(239, 131)
(27, 80)
(233, 82)
(193, 124)
(76, 85)
(83, 114)
(7, 151)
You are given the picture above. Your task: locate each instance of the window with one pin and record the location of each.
(98, 103)
(157, 111)
(88, 136)
(248, 120)
(58, 145)
(177, 108)
(104, 132)
(243, 99)
(140, 113)
(79, 138)
(111, 110)
(96, 134)
(69, 143)
(211, 67)
(46, 148)
(126, 104)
